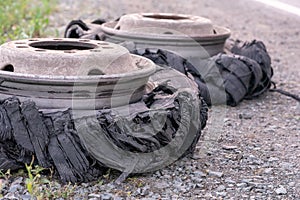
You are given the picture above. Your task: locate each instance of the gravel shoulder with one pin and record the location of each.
(251, 151)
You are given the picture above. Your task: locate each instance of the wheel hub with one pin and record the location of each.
(58, 73)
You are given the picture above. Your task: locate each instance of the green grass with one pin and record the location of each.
(20, 19)
(40, 187)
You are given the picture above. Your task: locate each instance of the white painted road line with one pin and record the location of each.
(282, 6)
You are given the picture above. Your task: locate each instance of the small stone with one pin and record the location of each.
(277, 59)
(229, 147)
(156, 196)
(199, 186)
(196, 157)
(247, 189)
(145, 191)
(217, 174)
(94, 196)
(196, 179)
(85, 185)
(245, 116)
(139, 191)
(230, 181)
(254, 160)
(259, 190)
(106, 196)
(167, 176)
(199, 174)
(241, 185)
(161, 185)
(222, 194)
(292, 184)
(197, 191)
(286, 165)
(294, 145)
(226, 119)
(3, 184)
(256, 185)
(208, 195)
(245, 180)
(109, 186)
(227, 122)
(221, 188)
(177, 185)
(15, 187)
(268, 170)
(26, 197)
(158, 173)
(11, 196)
(281, 190)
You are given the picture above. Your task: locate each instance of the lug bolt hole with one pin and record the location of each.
(95, 72)
(8, 68)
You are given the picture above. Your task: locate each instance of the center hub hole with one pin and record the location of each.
(169, 17)
(63, 45)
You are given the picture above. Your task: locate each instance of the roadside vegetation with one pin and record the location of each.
(41, 184)
(20, 19)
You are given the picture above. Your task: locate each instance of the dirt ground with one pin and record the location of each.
(251, 151)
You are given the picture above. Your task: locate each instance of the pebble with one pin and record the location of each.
(161, 185)
(26, 197)
(199, 174)
(199, 186)
(245, 180)
(217, 174)
(220, 188)
(241, 185)
(258, 190)
(15, 187)
(229, 147)
(294, 145)
(292, 184)
(12, 196)
(94, 196)
(286, 165)
(245, 116)
(247, 189)
(143, 191)
(196, 179)
(222, 194)
(281, 190)
(106, 196)
(268, 170)
(229, 180)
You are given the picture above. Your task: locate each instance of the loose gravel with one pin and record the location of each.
(251, 151)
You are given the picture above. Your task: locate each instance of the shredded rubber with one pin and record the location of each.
(65, 143)
(246, 68)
